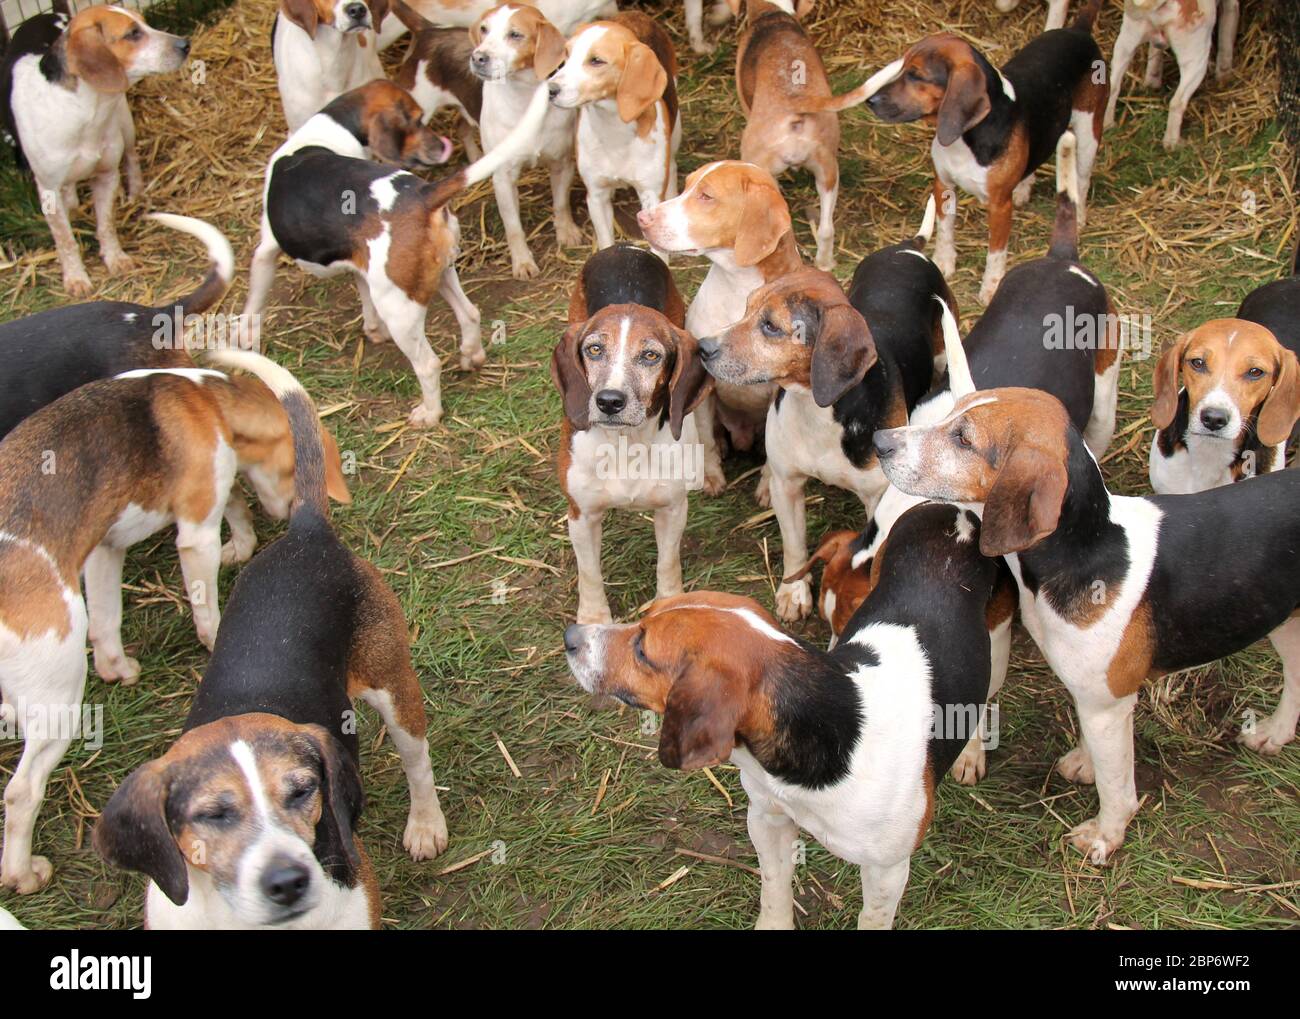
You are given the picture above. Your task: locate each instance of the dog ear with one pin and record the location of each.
(476, 30)
(842, 353)
(690, 382)
(302, 13)
(642, 84)
(1282, 405)
(336, 484)
(342, 799)
(386, 135)
(700, 719)
(965, 102)
(832, 543)
(90, 59)
(548, 54)
(570, 376)
(132, 832)
(764, 220)
(1165, 383)
(378, 11)
(1024, 505)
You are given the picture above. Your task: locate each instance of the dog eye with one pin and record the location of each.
(135, 33)
(962, 437)
(912, 76)
(1198, 364)
(769, 328)
(596, 62)
(594, 350)
(651, 357)
(300, 796)
(704, 196)
(1254, 374)
(638, 648)
(219, 814)
(515, 36)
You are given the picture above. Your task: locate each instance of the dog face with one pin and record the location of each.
(345, 16)
(391, 121)
(262, 807)
(605, 61)
(729, 207)
(627, 363)
(514, 38)
(1005, 449)
(1236, 375)
(939, 79)
(799, 330)
(699, 659)
(111, 48)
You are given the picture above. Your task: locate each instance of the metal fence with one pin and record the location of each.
(168, 15)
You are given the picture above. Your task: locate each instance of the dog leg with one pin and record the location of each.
(882, 887)
(199, 546)
(371, 324)
(103, 573)
(1131, 34)
(1088, 135)
(505, 183)
(773, 834)
(1105, 399)
(567, 231)
(584, 535)
(793, 600)
(1056, 11)
(1107, 728)
(945, 250)
(1269, 735)
(670, 522)
(130, 155)
(261, 274)
(971, 764)
(1155, 72)
(1229, 12)
(715, 481)
(472, 354)
(55, 205)
(243, 539)
(695, 26)
(405, 320)
(828, 192)
(103, 189)
(1193, 61)
(600, 207)
(999, 236)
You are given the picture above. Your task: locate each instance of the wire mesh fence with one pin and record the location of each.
(168, 15)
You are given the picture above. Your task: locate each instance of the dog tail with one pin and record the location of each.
(859, 95)
(217, 281)
(1087, 16)
(923, 235)
(414, 21)
(960, 381)
(310, 498)
(1065, 231)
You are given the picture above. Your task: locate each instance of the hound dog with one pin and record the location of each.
(1276, 306)
(63, 105)
(791, 118)
(1227, 396)
(249, 820)
(566, 15)
(332, 211)
(733, 214)
(1186, 27)
(630, 378)
(436, 73)
(995, 127)
(621, 77)
(849, 745)
(515, 51)
(845, 367)
(94, 472)
(1114, 589)
(321, 49)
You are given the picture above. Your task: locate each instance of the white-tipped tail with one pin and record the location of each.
(927, 221)
(519, 142)
(880, 79)
(1067, 173)
(960, 382)
(213, 239)
(279, 380)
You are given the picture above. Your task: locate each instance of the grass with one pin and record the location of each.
(1168, 237)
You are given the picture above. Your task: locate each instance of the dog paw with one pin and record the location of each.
(117, 669)
(77, 284)
(970, 765)
(119, 263)
(377, 333)
(763, 490)
(36, 877)
(987, 289)
(1076, 766)
(1171, 141)
(825, 261)
(569, 235)
(524, 268)
(794, 601)
(473, 360)
(422, 416)
(1268, 736)
(1094, 842)
(425, 837)
(715, 481)
(703, 47)
(237, 550)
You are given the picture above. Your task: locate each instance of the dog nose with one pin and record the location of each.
(357, 12)
(572, 638)
(183, 45)
(887, 443)
(553, 89)
(478, 59)
(1214, 419)
(610, 401)
(709, 348)
(285, 881)
(643, 218)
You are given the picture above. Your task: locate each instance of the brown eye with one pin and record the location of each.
(704, 196)
(1198, 364)
(594, 349)
(1254, 374)
(651, 357)
(596, 62)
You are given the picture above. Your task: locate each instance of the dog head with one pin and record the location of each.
(514, 38)
(943, 80)
(111, 48)
(604, 61)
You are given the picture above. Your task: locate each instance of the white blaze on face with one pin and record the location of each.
(496, 43)
(573, 72)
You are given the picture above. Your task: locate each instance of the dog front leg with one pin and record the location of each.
(103, 573)
(828, 192)
(695, 26)
(567, 231)
(670, 522)
(505, 183)
(55, 205)
(773, 835)
(793, 600)
(1271, 734)
(715, 480)
(999, 236)
(600, 207)
(103, 189)
(199, 546)
(882, 887)
(472, 354)
(945, 249)
(1107, 728)
(584, 535)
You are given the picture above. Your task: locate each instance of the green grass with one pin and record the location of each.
(995, 856)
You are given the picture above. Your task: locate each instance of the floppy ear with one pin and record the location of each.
(764, 220)
(302, 13)
(1024, 504)
(1282, 405)
(842, 354)
(690, 382)
(965, 103)
(336, 485)
(642, 84)
(386, 135)
(341, 801)
(700, 719)
(474, 30)
(571, 376)
(829, 548)
(1165, 383)
(90, 59)
(378, 11)
(132, 832)
(549, 52)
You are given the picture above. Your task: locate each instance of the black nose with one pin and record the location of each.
(572, 634)
(1213, 418)
(875, 100)
(357, 12)
(285, 881)
(554, 89)
(183, 45)
(709, 348)
(479, 59)
(610, 401)
(886, 443)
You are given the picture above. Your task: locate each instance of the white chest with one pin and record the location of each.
(612, 153)
(67, 134)
(804, 439)
(956, 164)
(643, 468)
(504, 104)
(721, 299)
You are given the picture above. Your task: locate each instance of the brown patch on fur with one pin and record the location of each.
(308, 14)
(1132, 662)
(1003, 601)
(380, 655)
(31, 597)
(928, 781)
(101, 46)
(1107, 353)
